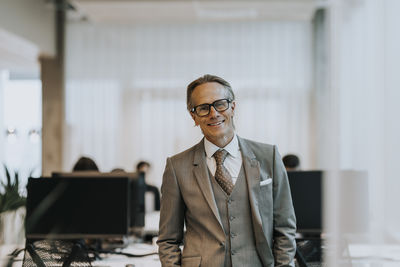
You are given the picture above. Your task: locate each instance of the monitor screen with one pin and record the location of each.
(137, 193)
(68, 208)
(137, 189)
(306, 189)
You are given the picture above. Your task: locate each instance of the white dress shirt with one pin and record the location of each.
(233, 161)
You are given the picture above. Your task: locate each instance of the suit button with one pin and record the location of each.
(231, 218)
(233, 252)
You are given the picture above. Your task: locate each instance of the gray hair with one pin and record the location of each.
(208, 78)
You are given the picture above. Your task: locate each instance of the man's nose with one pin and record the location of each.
(213, 111)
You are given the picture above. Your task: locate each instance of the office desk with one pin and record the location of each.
(137, 249)
(151, 228)
(120, 261)
(5, 250)
(375, 255)
(110, 260)
(361, 255)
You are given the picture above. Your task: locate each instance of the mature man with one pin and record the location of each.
(232, 194)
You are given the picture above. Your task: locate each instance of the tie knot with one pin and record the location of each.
(220, 156)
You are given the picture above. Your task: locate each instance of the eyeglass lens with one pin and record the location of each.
(219, 105)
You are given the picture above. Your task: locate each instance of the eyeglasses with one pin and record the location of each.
(219, 105)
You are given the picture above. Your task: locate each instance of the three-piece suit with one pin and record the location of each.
(253, 226)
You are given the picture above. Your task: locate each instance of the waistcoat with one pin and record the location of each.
(235, 214)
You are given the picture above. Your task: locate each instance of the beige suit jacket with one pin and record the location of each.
(187, 198)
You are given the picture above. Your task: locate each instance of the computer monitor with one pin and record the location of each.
(137, 189)
(306, 189)
(71, 208)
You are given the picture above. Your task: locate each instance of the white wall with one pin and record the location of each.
(18, 55)
(22, 111)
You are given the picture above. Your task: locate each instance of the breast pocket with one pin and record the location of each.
(265, 182)
(266, 188)
(191, 261)
(266, 198)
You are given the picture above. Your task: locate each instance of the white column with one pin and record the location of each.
(391, 120)
(364, 59)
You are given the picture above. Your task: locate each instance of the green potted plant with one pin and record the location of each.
(12, 210)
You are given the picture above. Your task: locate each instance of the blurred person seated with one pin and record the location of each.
(291, 162)
(85, 164)
(144, 167)
(117, 170)
(88, 164)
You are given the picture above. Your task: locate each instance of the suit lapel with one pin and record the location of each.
(252, 171)
(200, 171)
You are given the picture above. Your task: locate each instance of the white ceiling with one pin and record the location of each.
(137, 11)
(18, 54)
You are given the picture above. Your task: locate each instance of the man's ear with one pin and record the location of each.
(233, 105)
(194, 118)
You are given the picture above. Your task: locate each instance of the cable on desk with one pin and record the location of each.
(130, 255)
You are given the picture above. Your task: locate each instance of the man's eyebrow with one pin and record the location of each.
(210, 103)
(203, 104)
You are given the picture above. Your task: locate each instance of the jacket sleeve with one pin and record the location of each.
(171, 219)
(284, 231)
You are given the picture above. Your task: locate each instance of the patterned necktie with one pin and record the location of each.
(222, 176)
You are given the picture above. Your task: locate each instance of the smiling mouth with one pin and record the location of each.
(216, 123)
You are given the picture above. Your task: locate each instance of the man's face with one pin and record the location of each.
(217, 127)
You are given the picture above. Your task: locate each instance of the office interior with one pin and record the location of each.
(318, 78)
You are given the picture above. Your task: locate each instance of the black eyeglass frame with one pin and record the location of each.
(193, 110)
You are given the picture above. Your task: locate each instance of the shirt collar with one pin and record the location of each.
(232, 147)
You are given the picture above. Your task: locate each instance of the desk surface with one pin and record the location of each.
(5, 250)
(108, 259)
(151, 227)
(122, 261)
(361, 255)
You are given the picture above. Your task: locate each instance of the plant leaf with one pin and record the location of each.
(10, 199)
